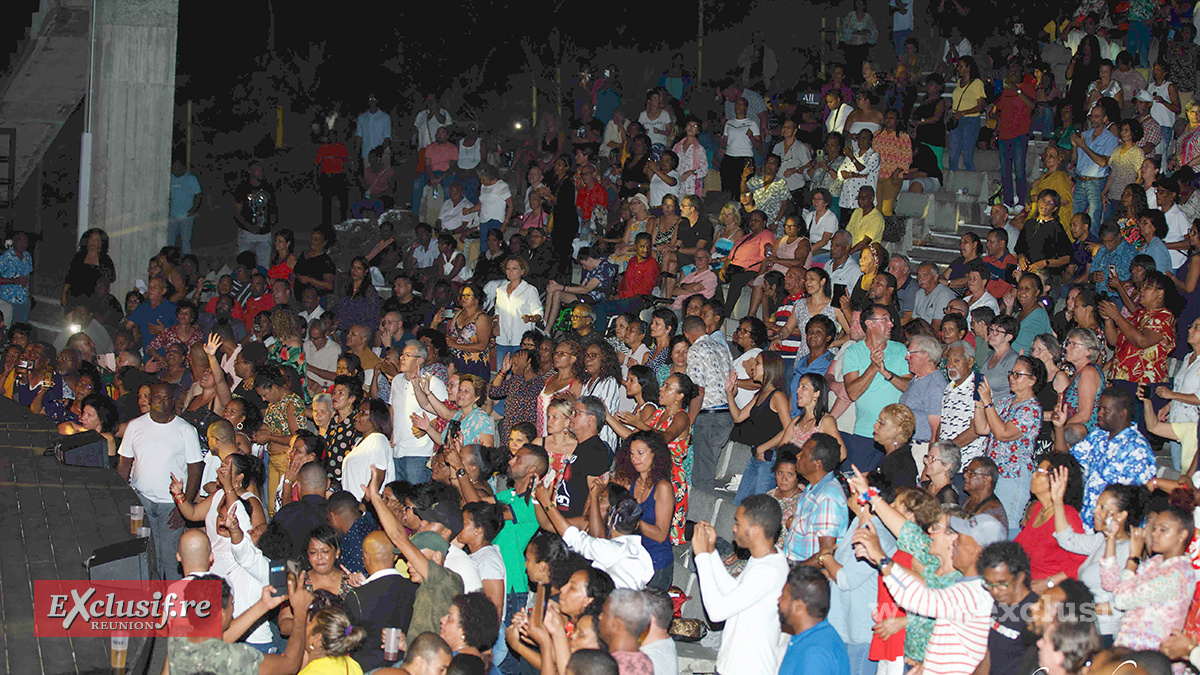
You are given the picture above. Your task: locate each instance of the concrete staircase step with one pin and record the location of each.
(941, 256)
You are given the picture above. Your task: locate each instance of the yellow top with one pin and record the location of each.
(870, 225)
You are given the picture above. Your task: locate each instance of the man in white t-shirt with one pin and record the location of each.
(157, 448)
(320, 354)
(410, 451)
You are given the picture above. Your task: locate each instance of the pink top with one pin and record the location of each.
(788, 251)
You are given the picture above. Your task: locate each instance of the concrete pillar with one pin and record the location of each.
(133, 99)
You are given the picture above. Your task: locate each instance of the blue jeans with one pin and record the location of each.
(1012, 168)
(508, 664)
(1013, 493)
(501, 352)
(860, 659)
(418, 187)
(757, 479)
(1168, 134)
(484, 228)
(1111, 208)
(1043, 120)
(1088, 200)
(1138, 42)
(20, 312)
(183, 228)
(413, 469)
(165, 537)
(961, 143)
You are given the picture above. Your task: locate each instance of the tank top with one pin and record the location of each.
(469, 155)
(1161, 113)
(661, 552)
(760, 427)
(543, 400)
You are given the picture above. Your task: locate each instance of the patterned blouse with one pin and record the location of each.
(1155, 599)
(769, 198)
(276, 415)
(895, 152)
(1145, 366)
(475, 424)
(521, 401)
(340, 439)
(474, 363)
(692, 159)
(1012, 456)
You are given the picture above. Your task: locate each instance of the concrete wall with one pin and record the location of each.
(133, 103)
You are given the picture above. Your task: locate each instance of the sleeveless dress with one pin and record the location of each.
(222, 548)
(787, 251)
(543, 403)
(473, 363)
(662, 553)
(679, 454)
(1071, 396)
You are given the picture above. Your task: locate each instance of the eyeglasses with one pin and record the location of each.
(997, 329)
(999, 585)
(1013, 373)
(914, 351)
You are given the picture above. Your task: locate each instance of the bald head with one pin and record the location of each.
(313, 479)
(195, 553)
(221, 431)
(378, 552)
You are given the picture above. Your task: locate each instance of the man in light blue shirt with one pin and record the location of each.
(1092, 150)
(373, 128)
(853, 589)
(182, 206)
(815, 647)
(870, 366)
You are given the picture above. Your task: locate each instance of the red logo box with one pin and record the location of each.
(82, 608)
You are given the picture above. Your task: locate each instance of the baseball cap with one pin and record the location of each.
(444, 513)
(1168, 182)
(984, 529)
(431, 541)
(1144, 95)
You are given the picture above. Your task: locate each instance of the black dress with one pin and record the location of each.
(566, 222)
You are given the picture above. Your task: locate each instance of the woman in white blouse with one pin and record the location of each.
(374, 422)
(821, 223)
(1183, 404)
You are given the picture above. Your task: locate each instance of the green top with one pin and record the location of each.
(514, 537)
(915, 542)
(433, 598)
(213, 656)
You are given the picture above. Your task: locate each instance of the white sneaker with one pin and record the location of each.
(733, 484)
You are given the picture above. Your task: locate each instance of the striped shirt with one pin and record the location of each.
(963, 616)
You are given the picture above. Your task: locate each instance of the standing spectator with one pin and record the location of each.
(184, 202)
(741, 136)
(962, 612)
(256, 213)
(657, 642)
(859, 171)
(373, 129)
(693, 159)
(1014, 111)
(157, 448)
(858, 34)
(384, 600)
(1166, 106)
(923, 391)
(1143, 341)
(709, 364)
(795, 155)
(968, 101)
(821, 512)
(16, 266)
(331, 160)
(412, 447)
(1093, 149)
(815, 647)
(1013, 425)
(870, 366)
(748, 604)
(958, 404)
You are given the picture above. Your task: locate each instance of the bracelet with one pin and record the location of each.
(177, 498)
(988, 406)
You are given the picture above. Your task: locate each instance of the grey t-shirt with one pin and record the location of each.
(924, 398)
(663, 655)
(997, 376)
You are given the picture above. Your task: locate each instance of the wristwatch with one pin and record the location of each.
(884, 562)
(460, 473)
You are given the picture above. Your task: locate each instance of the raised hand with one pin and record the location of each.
(212, 345)
(1058, 484)
(176, 486)
(866, 543)
(1137, 541)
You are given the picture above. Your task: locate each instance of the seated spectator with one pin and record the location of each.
(595, 285)
(625, 617)
(1114, 252)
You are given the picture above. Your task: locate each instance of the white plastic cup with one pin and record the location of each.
(391, 643)
(143, 532)
(136, 514)
(120, 651)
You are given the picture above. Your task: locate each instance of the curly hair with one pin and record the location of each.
(610, 364)
(284, 324)
(660, 467)
(1075, 484)
(478, 619)
(576, 368)
(926, 509)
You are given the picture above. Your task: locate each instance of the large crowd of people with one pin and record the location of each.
(486, 439)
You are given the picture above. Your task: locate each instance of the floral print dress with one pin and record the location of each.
(473, 363)
(1012, 456)
(679, 480)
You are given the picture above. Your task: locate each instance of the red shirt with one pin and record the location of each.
(641, 276)
(1013, 113)
(998, 285)
(262, 303)
(210, 307)
(332, 157)
(1046, 557)
(587, 199)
